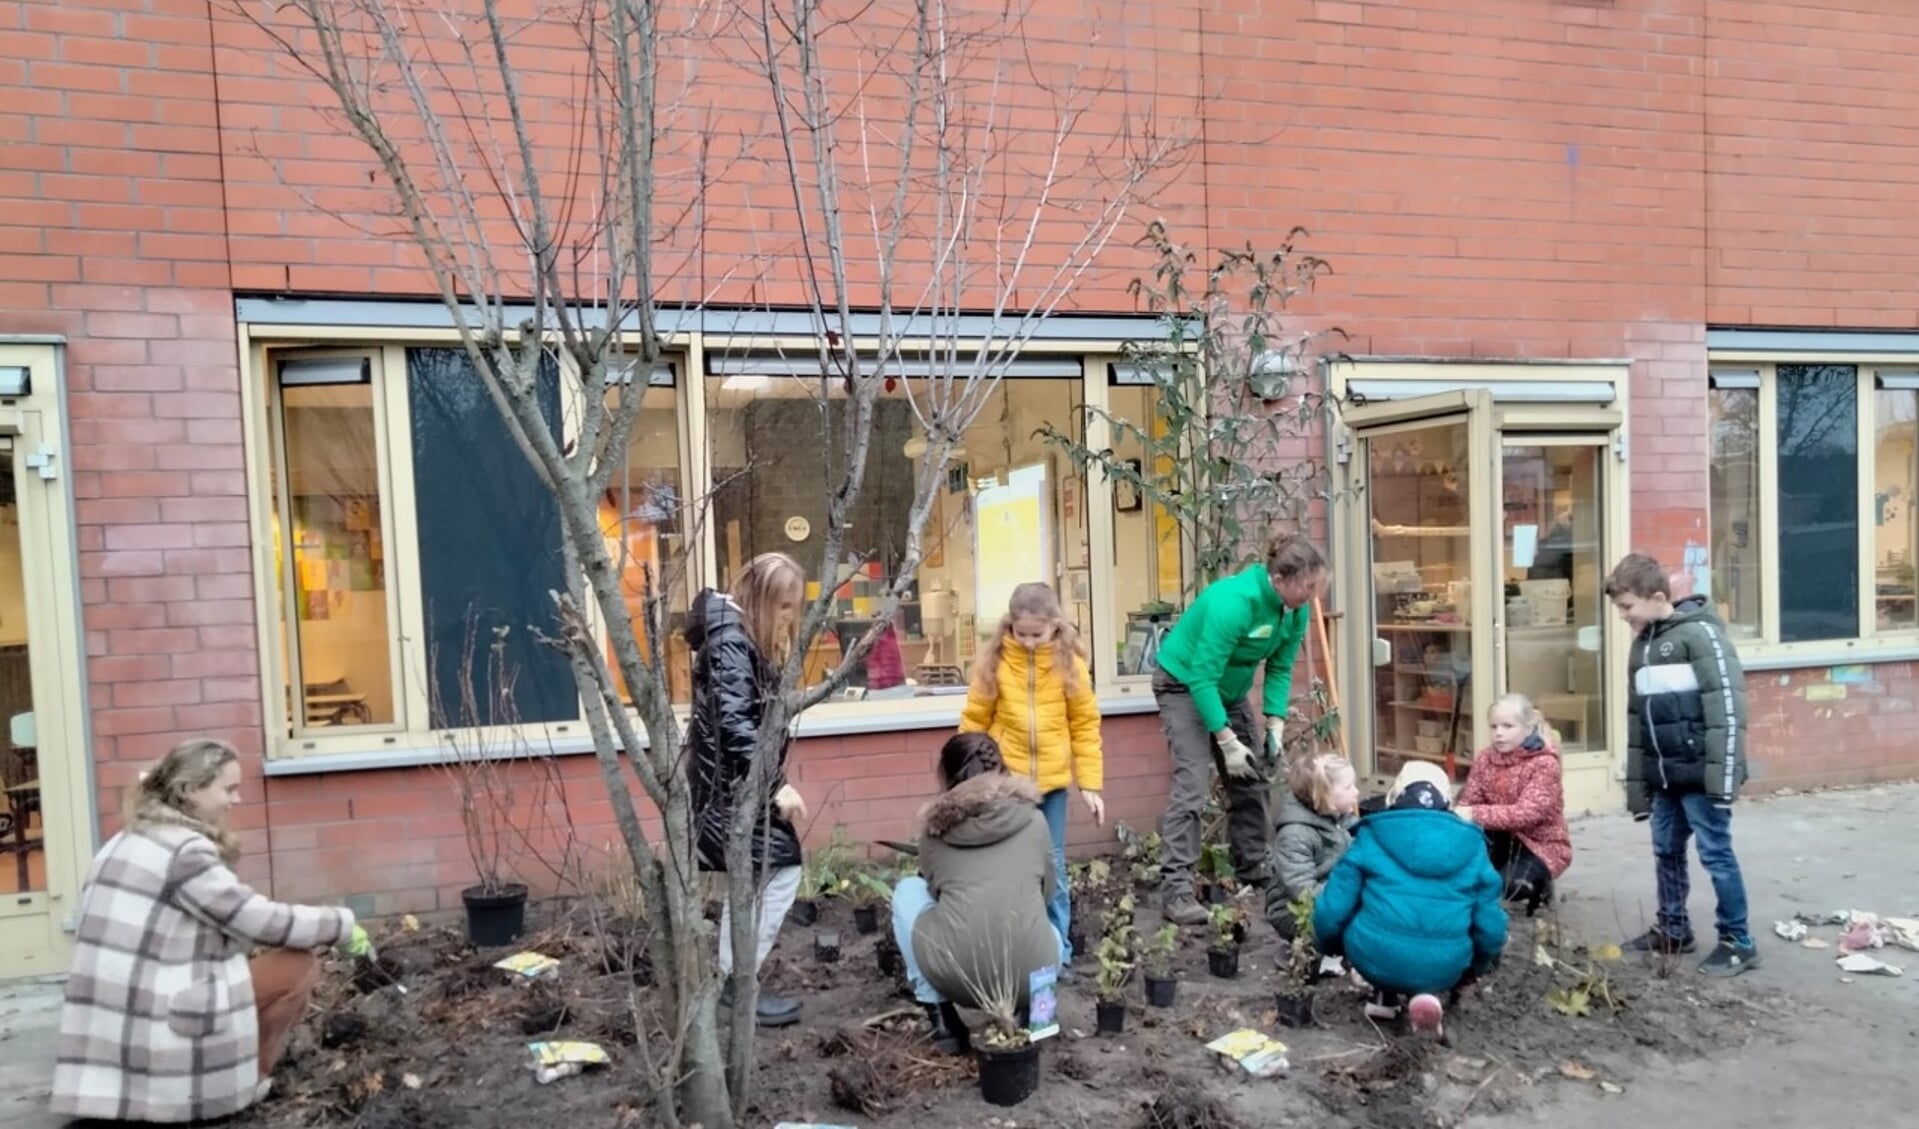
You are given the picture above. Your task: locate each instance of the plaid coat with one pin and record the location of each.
(159, 1023)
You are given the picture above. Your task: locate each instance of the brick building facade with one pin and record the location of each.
(1686, 191)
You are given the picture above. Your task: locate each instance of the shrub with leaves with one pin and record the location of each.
(1158, 955)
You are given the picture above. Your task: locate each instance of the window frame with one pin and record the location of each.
(411, 740)
(1869, 643)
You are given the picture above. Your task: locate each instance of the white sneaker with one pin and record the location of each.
(1381, 1012)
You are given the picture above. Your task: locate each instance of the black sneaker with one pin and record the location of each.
(1729, 958)
(1655, 941)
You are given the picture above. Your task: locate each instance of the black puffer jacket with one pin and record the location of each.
(1685, 709)
(731, 683)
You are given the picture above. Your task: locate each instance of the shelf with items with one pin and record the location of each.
(1423, 691)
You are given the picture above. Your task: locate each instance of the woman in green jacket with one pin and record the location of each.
(1206, 668)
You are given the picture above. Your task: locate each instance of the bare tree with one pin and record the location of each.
(928, 168)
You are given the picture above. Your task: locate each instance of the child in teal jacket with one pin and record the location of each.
(1413, 905)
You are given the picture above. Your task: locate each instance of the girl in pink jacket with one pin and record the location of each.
(1515, 794)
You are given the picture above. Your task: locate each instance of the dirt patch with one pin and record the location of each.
(435, 1038)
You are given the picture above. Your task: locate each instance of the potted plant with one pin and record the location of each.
(1008, 1058)
(484, 740)
(867, 893)
(821, 877)
(1216, 873)
(1109, 984)
(1162, 987)
(1294, 999)
(1222, 957)
(826, 947)
(1142, 856)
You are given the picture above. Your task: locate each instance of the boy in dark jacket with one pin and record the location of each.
(1413, 905)
(1685, 755)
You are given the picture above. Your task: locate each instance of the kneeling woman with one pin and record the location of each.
(167, 1018)
(972, 926)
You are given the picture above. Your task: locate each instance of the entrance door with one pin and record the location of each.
(1556, 545)
(44, 816)
(1421, 473)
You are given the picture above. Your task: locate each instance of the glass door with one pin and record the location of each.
(45, 824)
(1421, 473)
(1555, 549)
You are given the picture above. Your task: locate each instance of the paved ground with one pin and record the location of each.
(1845, 1055)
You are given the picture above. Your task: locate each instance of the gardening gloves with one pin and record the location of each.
(787, 801)
(358, 944)
(1237, 757)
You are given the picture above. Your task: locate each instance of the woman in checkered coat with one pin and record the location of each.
(166, 1018)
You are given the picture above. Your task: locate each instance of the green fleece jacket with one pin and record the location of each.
(1233, 626)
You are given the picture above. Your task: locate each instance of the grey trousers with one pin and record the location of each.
(1195, 759)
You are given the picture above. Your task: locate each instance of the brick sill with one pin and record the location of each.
(832, 720)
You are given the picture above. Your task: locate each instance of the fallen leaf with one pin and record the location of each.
(1608, 953)
(1577, 1071)
(410, 1081)
(1570, 1001)
(410, 924)
(1541, 957)
(1814, 943)
(1612, 1087)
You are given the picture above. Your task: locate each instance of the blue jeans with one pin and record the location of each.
(1059, 911)
(1676, 818)
(912, 897)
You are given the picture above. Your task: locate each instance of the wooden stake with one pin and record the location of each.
(1332, 677)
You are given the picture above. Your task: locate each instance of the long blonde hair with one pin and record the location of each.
(163, 797)
(759, 588)
(1036, 599)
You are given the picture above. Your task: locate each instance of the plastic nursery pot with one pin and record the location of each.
(1217, 895)
(1008, 1076)
(889, 957)
(806, 911)
(1112, 1016)
(1223, 963)
(826, 947)
(866, 919)
(1161, 991)
(1295, 1008)
(494, 918)
(1076, 943)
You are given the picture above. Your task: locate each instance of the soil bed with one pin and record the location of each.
(444, 1045)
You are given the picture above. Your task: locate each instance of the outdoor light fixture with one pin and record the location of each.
(15, 380)
(314, 371)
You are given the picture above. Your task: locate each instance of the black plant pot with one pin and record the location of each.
(1076, 943)
(1217, 895)
(497, 918)
(1295, 1007)
(866, 919)
(806, 911)
(1112, 1016)
(889, 954)
(1008, 1077)
(1161, 992)
(1223, 963)
(826, 947)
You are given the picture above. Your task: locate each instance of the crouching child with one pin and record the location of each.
(1413, 905)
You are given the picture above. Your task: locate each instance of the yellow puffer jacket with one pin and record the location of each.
(1046, 735)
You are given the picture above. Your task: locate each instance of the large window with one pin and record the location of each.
(1010, 510)
(1813, 475)
(643, 515)
(1148, 564)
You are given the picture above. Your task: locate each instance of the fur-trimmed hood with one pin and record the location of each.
(982, 811)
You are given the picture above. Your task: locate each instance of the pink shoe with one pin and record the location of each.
(1426, 1014)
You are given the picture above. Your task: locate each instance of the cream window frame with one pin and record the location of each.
(411, 741)
(1870, 644)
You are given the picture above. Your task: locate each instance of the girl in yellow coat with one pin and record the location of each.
(1033, 693)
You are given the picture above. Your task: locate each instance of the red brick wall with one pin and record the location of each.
(112, 232)
(1491, 178)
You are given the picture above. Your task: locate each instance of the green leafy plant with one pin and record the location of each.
(1142, 854)
(1234, 393)
(865, 888)
(1158, 955)
(1216, 863)
(1115, 967)
(824, 872)
(1228, 925)
(1302, 956)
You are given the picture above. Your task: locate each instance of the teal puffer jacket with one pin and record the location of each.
(1414, 903)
